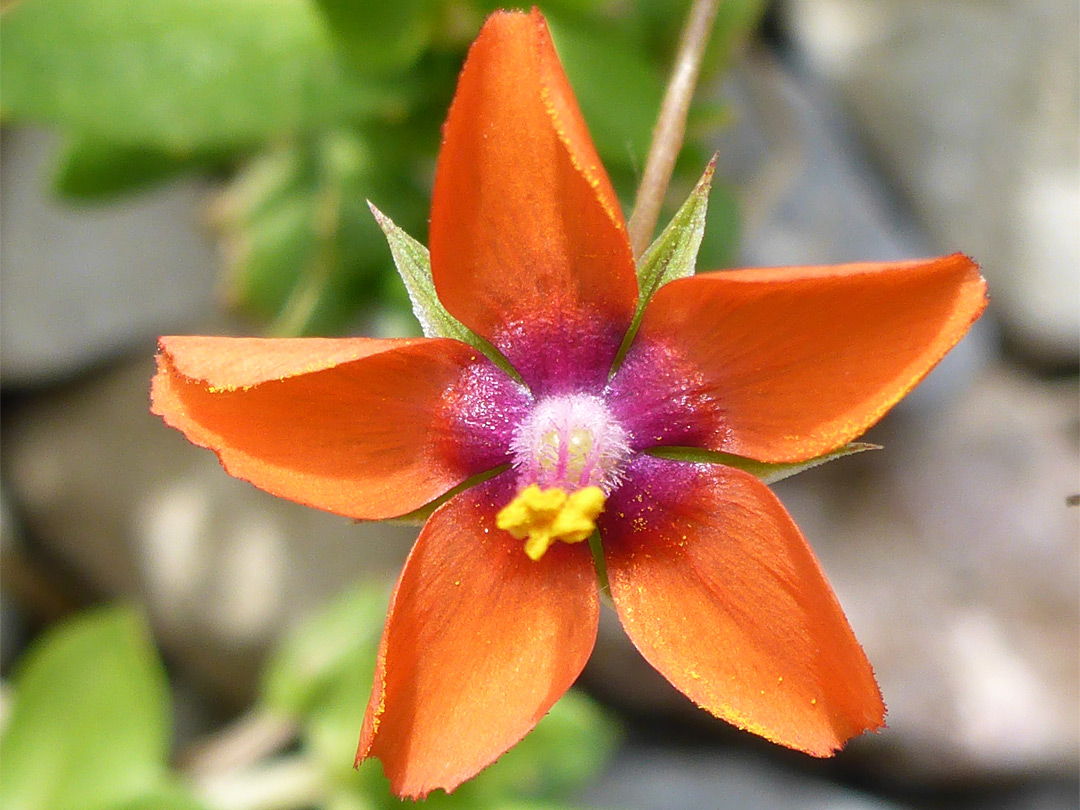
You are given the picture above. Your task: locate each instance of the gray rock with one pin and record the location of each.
(975, 109)
(662, 779)
(12, 631)
(83, 283)
(952, 550)
(956, 560)
(139, 512)
(978, 646)
(810, 195)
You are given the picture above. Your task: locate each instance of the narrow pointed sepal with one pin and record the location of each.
(674, 252)
(413, 264)
(763, 471)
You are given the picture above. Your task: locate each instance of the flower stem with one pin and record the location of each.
(671, 124)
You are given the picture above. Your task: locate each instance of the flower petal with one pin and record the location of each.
(364, 428)
(786, 364)
(528, 244)
(720, 592)
(479, 643)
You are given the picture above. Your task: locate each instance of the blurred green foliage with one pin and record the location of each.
(323, 674)
(307, 108)
(89, 728)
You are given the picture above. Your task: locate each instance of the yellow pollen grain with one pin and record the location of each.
(542, 516)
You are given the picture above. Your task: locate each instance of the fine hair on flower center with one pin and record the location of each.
(570, 442)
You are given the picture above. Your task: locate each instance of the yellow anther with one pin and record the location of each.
(542, 516)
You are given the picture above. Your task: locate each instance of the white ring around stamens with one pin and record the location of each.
(570, 441)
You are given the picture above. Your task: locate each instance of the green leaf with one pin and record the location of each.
(298, 250)
(736, 21)
(91, 169)
(769, 473)
(165, 797)
(89, 727)
(265, 218)
(181, 75)
(332, 727)
(322, 674)
(569, 746)
(414, 265)
(382, 36)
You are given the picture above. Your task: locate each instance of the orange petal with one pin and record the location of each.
(720, 592)
(364, 428)
(528, 244)
(788, 363)
(479, 644)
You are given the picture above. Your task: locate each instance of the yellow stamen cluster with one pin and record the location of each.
(546, 515)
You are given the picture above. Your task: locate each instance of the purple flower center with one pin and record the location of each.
(570, 441)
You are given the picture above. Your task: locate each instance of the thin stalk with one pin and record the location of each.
(671, 124)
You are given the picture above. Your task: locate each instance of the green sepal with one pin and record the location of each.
(768, 473)
(673, 254)
(596, 546)
(413, 262)
(418, 517)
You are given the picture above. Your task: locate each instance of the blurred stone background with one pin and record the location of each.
(863, 129)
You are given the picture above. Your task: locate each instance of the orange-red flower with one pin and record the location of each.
(496, 610)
